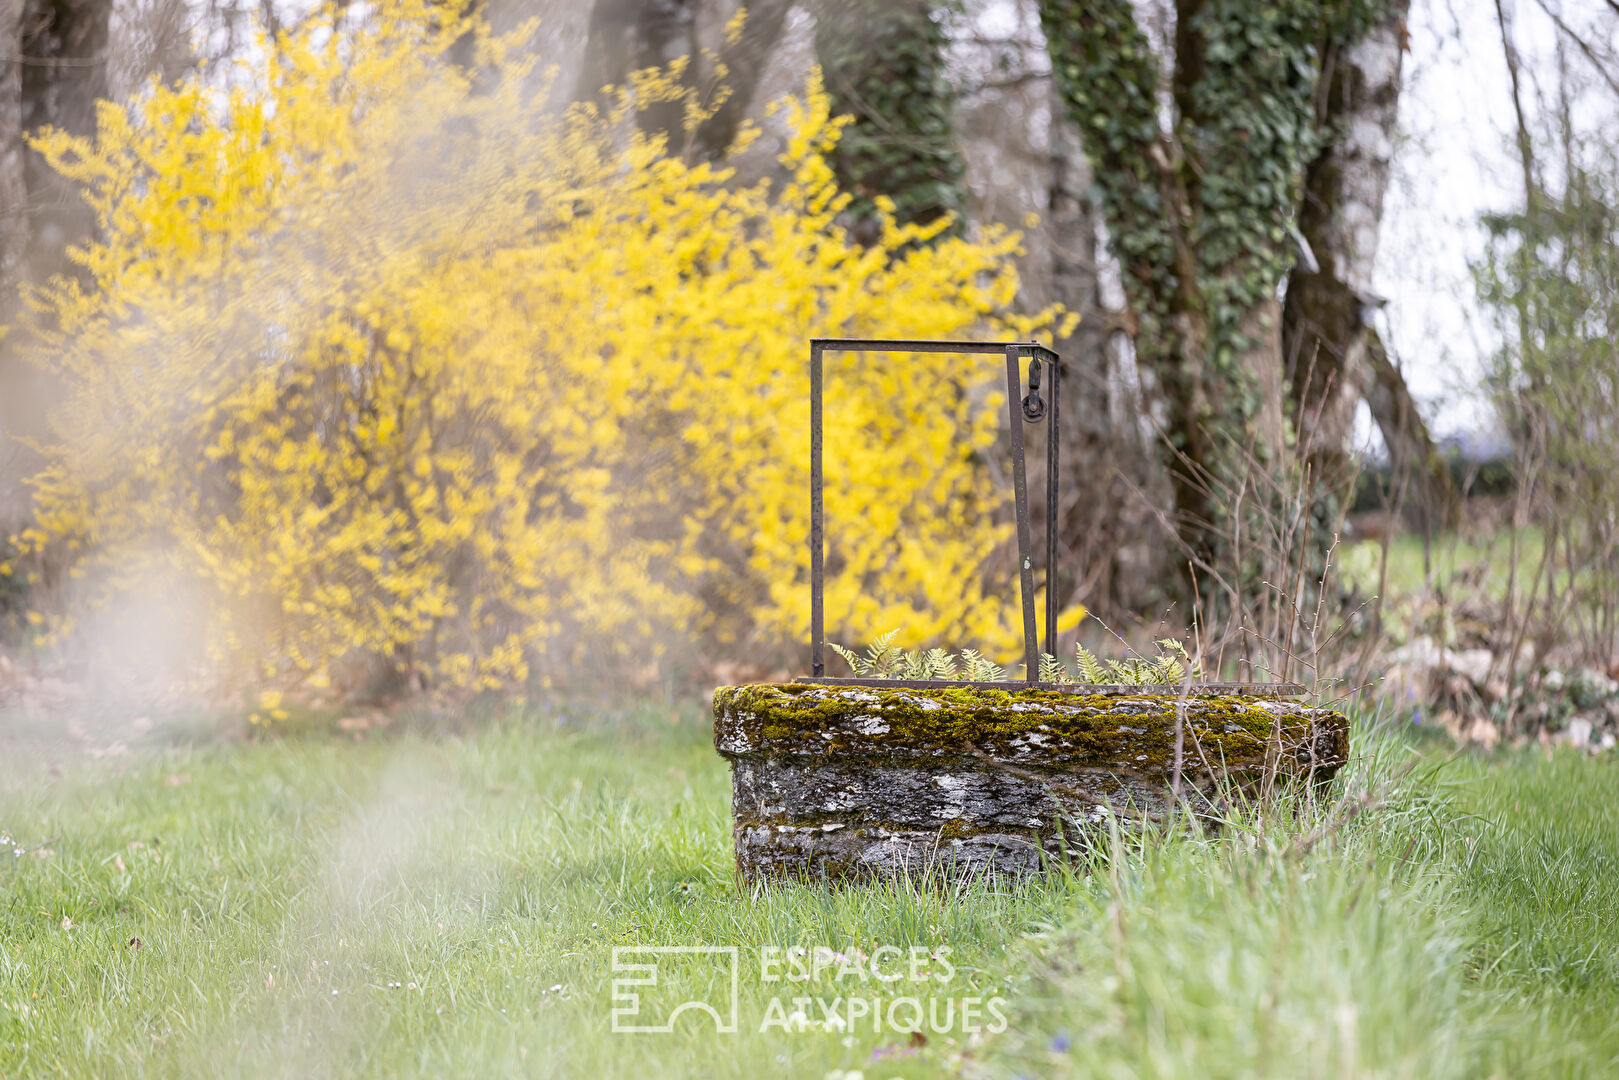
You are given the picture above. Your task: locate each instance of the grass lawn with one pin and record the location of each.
(412, 905)
(1469, 572)
(1488, 561)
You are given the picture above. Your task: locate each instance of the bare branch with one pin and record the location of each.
(1604, 67)
(1526, 150)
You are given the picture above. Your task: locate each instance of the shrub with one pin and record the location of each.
(1550, 275)
(401, 370)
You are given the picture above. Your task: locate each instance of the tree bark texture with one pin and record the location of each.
(631, 35)
(1329, 307)
(744, 61)
(883, 62)
(64, 73)
(1106, 559)
(1189, 207)
(13, 176)
(1199, 201)
(54, 69)
(1414, 460)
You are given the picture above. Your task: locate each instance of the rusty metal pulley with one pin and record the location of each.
(1034, 407)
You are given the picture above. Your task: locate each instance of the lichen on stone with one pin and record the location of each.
(1112, 729)
(828, 779)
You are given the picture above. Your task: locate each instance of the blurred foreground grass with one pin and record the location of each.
(422, 906)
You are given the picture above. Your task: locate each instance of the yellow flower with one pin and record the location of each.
(520, 392)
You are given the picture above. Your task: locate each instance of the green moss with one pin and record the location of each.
(1134, 728)
(957, 829)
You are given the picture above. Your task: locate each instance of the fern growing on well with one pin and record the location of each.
(1090, 669)
(1172, 665)
(880, 661)
(933, 664)
(943, 664)
(977, 669)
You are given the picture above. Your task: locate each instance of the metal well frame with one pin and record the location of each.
(1020, 409)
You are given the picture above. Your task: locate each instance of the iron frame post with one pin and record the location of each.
(1014, 353)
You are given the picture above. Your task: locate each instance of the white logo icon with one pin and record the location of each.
(627, 1017)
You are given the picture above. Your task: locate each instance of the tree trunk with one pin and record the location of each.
(883, 62)
(666, 31)
(744, 61)
(53, 72)
(14, 458)
(64, 74)
(1108, 77)
(1104, 559)
(1412, 453)
(13, 176)
(1199, 198)
(630, 35)
(1329, 306)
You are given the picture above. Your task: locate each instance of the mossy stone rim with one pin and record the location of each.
(1036, 727)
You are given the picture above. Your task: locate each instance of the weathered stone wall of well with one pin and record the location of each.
(837, 782)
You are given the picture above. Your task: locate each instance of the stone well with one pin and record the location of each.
(859, 781)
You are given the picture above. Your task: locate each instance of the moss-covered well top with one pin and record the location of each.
(1031, 726)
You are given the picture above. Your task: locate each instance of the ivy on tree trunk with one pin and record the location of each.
(1199, 173)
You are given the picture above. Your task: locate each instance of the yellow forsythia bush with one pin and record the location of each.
(401, 369)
